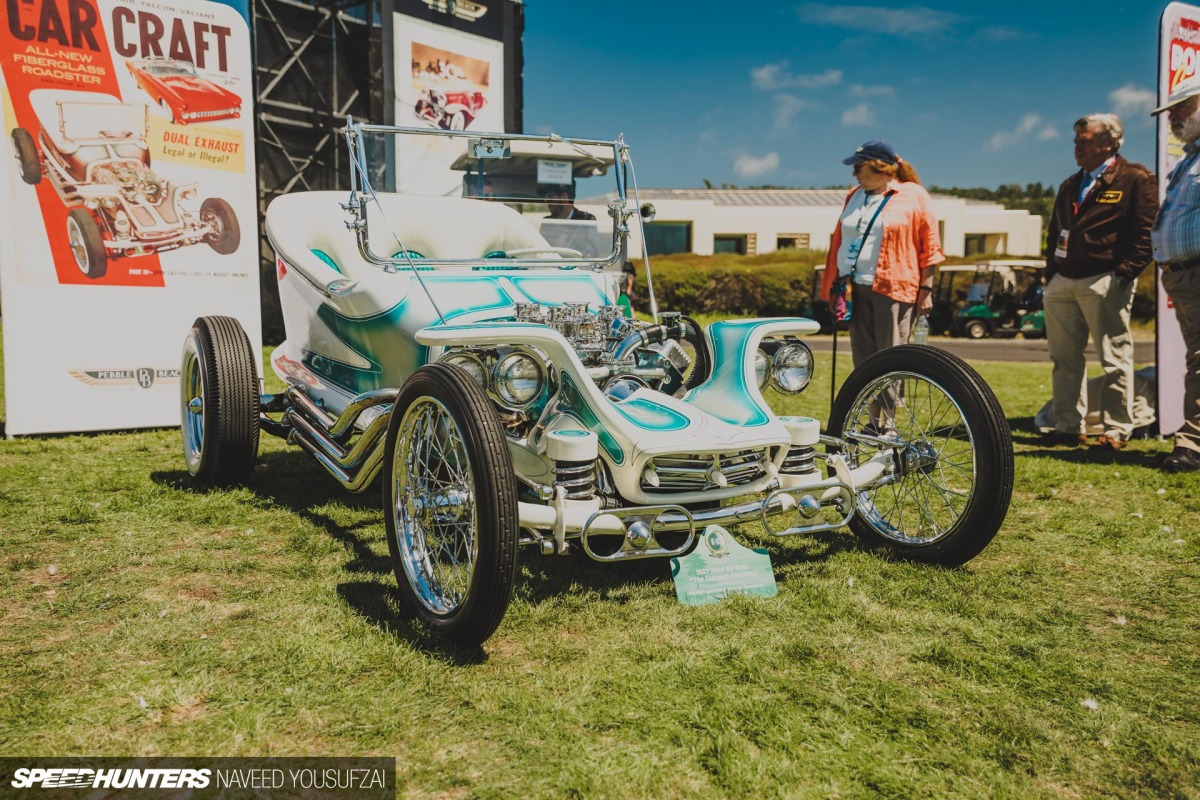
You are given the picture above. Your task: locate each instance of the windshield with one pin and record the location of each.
(171, 68)
(102, 121)
(540, 198)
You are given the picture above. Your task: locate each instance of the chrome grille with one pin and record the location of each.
(698, 472)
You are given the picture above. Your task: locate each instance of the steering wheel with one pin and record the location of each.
(556, 251)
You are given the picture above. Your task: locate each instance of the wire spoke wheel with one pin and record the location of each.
(950, 447)
(450, 504)
(435, 496)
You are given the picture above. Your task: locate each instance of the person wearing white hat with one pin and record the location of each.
(1175, 239)
(1098, 242)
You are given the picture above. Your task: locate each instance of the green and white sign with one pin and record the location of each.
(719, 566)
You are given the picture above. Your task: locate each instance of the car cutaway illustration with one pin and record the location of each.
(183, 94)
(440, 342)
(92, 149)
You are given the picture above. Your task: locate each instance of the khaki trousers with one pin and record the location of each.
(1075, 308)
(1184, 290)
(879, 322)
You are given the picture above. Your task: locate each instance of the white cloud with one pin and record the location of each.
(860, 115)
(773, 77)
(911, 22)
(748, 166)
(1030, 124)
(1002, 33)
(1132, 101)
(881, 90)
(786, 109)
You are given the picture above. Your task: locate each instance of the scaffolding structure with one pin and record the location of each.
(315, 61)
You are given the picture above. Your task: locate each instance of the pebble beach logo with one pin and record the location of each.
(84, 778)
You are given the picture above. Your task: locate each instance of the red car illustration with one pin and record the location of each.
(183, 94)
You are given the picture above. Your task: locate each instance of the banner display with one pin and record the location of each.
(1178, 52)
(129, 203)
(445, 79)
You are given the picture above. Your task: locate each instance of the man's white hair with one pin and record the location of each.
(1109, 123)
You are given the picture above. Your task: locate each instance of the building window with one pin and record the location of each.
(985, 244)
(665, 238)
(729, 243)
(796, 241)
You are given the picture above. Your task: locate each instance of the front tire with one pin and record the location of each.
(219, 403)
(976, 329)
(87, 244)
(27, 157)
(954, 476)
(450, 503)
(226, 234)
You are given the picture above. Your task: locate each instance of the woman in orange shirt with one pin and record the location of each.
(885, 245)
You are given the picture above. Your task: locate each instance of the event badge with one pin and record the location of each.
(1060, 249)
(719, 566)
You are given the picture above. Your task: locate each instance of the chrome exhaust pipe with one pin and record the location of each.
(327, 439)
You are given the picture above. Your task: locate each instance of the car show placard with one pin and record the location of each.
(1178, 51)
(130, 192)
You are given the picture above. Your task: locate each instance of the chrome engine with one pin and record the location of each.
(136, 183)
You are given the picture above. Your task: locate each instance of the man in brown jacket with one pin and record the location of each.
(1097, 245)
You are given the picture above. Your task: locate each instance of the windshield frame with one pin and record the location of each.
(363, 197)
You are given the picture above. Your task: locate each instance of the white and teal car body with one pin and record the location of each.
(443, 343)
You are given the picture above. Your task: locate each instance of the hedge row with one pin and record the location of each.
(774, 284)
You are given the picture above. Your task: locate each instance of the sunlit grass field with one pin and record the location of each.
(139, 617)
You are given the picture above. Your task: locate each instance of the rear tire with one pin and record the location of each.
(87, 244)
(226, 234)
(219, 403)
(26, 153)
(955, 469)
(450, 504)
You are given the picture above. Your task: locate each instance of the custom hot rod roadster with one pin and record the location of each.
(488, 376)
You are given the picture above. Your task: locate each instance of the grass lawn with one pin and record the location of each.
(139, 617)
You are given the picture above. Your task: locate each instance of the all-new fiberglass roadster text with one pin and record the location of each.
(490, 378)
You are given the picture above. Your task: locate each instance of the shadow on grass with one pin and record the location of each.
(294, 482)
(378, 603)
(1025, 433)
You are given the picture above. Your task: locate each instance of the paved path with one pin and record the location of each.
(990, 349)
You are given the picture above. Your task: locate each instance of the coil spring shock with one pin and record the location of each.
(800, 460)
(578, 478)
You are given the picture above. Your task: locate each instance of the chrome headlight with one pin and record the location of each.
(762, 369)
(518, 379)
(792, 368)
(471, 363)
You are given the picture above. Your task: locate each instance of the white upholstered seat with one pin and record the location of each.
(303, 224)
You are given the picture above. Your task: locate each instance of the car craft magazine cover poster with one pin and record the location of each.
(129, 203)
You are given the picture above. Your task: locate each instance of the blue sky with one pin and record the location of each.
(779, 92)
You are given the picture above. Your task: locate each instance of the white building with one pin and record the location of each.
(752, 221)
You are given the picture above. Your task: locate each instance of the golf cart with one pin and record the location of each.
(1001, 294)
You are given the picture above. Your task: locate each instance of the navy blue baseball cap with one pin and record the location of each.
(874, 150)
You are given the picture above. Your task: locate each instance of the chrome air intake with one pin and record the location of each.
(697, 472)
